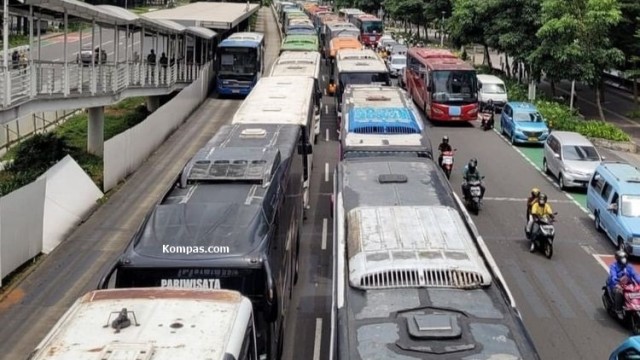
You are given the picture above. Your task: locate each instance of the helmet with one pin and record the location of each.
(542, 199)
(535, 192)
(621, 257)
(490, 102)
(473, 163)
(445, 139)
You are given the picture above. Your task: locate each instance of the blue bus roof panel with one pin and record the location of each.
(239, 43)
(395, 120)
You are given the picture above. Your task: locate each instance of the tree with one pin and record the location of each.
(407, 10)
(634, 72)
(469, 23)
(575, 41)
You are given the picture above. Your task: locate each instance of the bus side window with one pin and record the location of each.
(248, 351)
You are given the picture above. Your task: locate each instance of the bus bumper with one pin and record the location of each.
(223, 90)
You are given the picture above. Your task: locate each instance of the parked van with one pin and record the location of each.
(613, 196)
(492, 87)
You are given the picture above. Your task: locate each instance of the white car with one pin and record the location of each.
(85, 56)
(396, 64)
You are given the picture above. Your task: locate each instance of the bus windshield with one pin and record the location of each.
(364, 78)
(454, 86)
(250, 282)
(238, 61)
(371, 26)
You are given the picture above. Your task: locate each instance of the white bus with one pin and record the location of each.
(285, 100)
(301, 63)
(158, 323)
(353, 67)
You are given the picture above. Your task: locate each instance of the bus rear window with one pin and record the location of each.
(250, 282)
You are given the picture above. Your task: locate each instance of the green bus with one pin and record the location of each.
(300, 43)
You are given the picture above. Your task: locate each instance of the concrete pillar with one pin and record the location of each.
(95, 131)
(153, 103)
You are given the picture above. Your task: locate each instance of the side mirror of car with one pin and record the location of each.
(557, 156)
(602, 158)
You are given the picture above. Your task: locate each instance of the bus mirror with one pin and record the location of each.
(305, 149)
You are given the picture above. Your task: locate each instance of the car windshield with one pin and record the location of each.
(493, 89)
(532, 116)
(580, 153)
(630, 205)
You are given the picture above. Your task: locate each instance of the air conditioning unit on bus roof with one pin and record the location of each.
(436, 54)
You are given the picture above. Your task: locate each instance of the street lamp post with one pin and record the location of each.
(442, 31)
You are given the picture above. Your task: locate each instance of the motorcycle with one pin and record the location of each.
(542, 234)
(631, 307)
(447, 162)
(487, 121)
(473, 201)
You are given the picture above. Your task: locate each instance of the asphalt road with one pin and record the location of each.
(29, 311)
(559, 298)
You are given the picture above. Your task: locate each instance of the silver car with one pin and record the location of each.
(571, 158)
(396, 65)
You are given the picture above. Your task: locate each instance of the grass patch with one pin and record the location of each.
(16, 40)
(34, 156)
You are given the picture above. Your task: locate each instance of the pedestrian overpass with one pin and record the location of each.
(92, 80)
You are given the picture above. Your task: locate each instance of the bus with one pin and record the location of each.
(301, 63)
(232, 221)
(301, 28)
(162, 323)
(340, 29)
(290, 15)
(381, 121)
(348, 14)
(370, 27)
(286, 100)
(353, 67)
(299, 43)
(342, 43)
(442, 85)
(240, 64)
(410, 279)
(322, 24)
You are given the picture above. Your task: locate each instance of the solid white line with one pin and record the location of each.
(326, 135)
(325, 223)
(326, 110)
(318, 341)
(326, 172)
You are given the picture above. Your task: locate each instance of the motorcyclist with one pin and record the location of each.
(443, 147)
(471, 173)
(489, 109)
(533, 198)
(619, 269)
(331, 88)
(538, 209)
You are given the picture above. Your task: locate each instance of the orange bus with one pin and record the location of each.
(442, 85)
(341, 43)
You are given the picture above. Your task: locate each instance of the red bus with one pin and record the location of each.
(442, 85)
(370, 27)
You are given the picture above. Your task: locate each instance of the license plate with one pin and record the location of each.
(372, 38)
(475, 192)
(533, 139)
(447, 160)
(455, 111)
(455, 118)
(235, 91)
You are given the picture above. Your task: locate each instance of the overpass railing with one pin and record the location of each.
(45, 79)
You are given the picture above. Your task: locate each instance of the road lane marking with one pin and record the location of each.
(318, 340)
(523, 200)
(325, 92)
(326, 172)
(326, 110)
(326, 135)
(551, 180)
(599, 260)
(324, 77)
(325, 223)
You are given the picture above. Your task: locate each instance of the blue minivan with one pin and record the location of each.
(521, 122)
(613, 196)
(628, 350)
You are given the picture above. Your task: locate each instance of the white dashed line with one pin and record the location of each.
(326, 172)
(326, 110)
(318, 339)
(326, 135)
(325, 223)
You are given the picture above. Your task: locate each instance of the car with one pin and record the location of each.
(491, 88)
(628, 350)
(385, 42)
(86, 55)
(521, 122)
(396, 65)
(571, 158)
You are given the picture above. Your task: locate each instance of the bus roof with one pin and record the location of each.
(367, 17)
(164, 324)
(351, 60)
(278, 100)
(414, 283)
(241, 163)
(341, 25)
(297, 63)
(438, 59)
(247, 36)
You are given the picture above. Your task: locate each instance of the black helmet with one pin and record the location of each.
(621, 257)
(473, 163)
(445, 139)
(542, 199)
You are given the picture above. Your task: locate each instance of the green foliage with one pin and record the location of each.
(469, 21)
(410, 10)
(16, 40)
(620, 34)
(512, 27)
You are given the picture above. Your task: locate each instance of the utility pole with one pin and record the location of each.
(442, 31)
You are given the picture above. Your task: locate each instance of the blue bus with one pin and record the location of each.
(240, 63)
